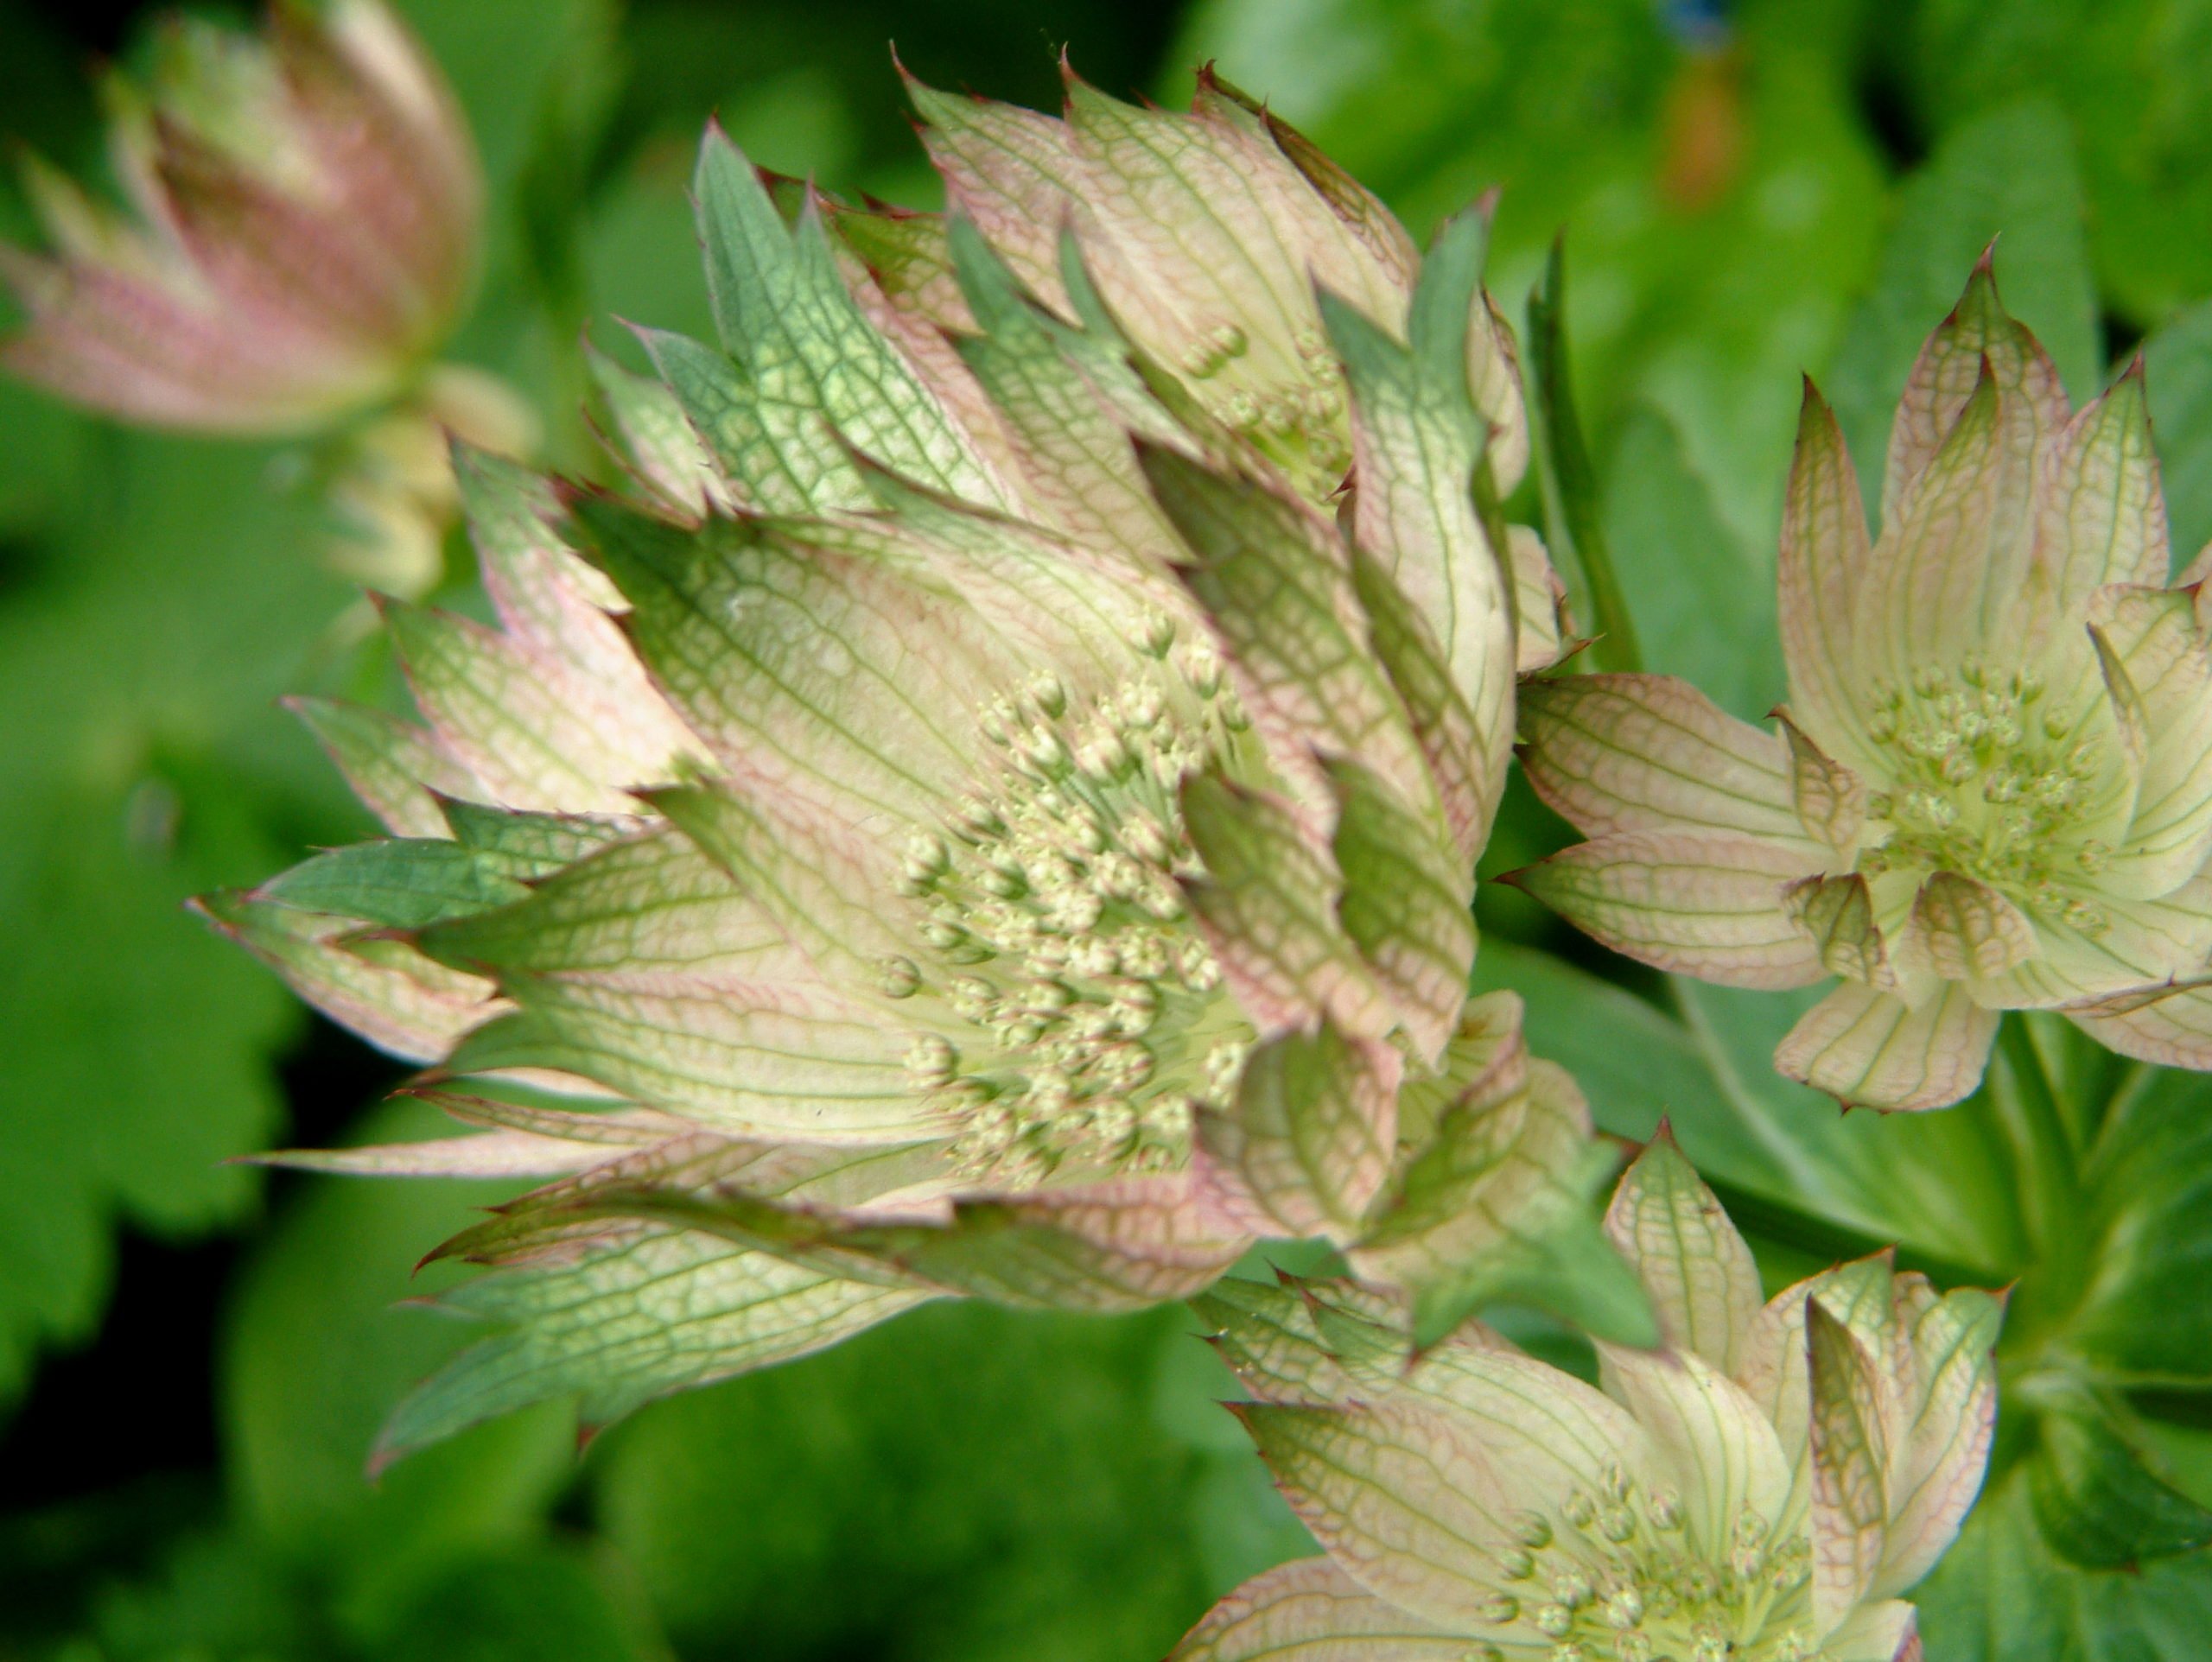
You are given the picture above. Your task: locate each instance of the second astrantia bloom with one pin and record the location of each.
(1992, 789)
(1760, 1487)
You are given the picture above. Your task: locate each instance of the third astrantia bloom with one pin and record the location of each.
(1760, 1487)
(1991, 787)
(982, 829)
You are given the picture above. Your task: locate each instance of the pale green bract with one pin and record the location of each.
(976, 826)
(1992, 789)
(1759, 1487)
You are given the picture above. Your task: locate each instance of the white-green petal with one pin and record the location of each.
(1309, 1139)
(1950, 366)
(1703, 1285)
(1418, 439)
(2153, 636)
(1636, 752)
(1711, 1442)
(810, 356)
(658, 439)
(1939, 1443)
(396, 768)
(1407, 905)
(1704, 904)
(1824, 555)
(1850, 1454)
(635, 1315)
(382, 989)
(826, 675)
(2101, 516)
(1309, 1610)
(1404, 1499)
(1274, 579)
(1969, 930)
(1869, 1049)
(1267, 902)
(1830, 799)
(1838, 914)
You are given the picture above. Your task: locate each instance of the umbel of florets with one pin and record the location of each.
(1759, 1487)
(971, 822)
(1991, 787)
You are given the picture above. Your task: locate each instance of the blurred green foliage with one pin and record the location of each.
(1747, 193)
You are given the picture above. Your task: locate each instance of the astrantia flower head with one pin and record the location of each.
(983, 825)
(1759, 1487)
(1993, 787)
(308, 206)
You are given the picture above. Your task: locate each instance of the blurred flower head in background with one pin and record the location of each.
(304, 225)
(1993, 786)
(1761, 1485)
(306, 214)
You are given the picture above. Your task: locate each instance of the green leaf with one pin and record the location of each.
(1704, 606)
(2100, 1502)
(142, 761)
(2130, 75)
(2147, 1317)
(2010, 174)
(1938, 1184)
(966, 1482)
(2001, 1594)
(1572, 511)
(315, 1355)
(542, 1602)
(2178, 359)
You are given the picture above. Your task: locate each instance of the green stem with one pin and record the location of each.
(1570, 483)
(2048, 1161)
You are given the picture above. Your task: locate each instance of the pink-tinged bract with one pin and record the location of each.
(986, 813)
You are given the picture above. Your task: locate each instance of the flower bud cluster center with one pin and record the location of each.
(1615, 1578)
(1990, 781)
(1292, 410)
(1072, 1017)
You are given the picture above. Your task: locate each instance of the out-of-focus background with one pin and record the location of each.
(193, 1356)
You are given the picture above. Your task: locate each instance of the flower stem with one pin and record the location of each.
(1570, 483)
(2047, 1160)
